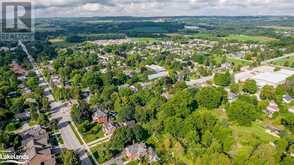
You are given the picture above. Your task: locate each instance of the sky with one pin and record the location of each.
(82, 8)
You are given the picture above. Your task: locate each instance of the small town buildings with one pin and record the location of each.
(100, 117)
(287, 99)
(271, 109)
(36, 146)
(111, 42)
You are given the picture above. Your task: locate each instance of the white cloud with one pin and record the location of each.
(45, 8)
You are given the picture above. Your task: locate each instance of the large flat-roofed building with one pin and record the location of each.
(156, 68)
(265, 75)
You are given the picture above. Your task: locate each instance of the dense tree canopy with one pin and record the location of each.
(250, 86)
(210, 97)
(222, 79)
(242, 112)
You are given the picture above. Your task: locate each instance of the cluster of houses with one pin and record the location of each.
(36, 146)
(111, 42)
(132, 152)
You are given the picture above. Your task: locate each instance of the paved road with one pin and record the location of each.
(61, 112)
(278, 58)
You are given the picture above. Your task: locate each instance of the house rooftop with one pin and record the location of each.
(158, 75)
(156, 68)
(137, 148)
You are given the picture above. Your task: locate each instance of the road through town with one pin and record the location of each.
(60, 111)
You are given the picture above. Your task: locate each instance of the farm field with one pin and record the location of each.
(246, 38)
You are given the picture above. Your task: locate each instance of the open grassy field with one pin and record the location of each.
(144, 39)
(237, 61)
(288, 62)
(56, 40)
(247, 38)
(248, 137)
(201, 36)
(60, 42)
(90, 136)
(278, 27)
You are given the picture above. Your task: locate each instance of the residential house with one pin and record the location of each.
(158, 75)
(100, 117)
(136, 151)
(17, 69)
(232, 96)
(56, 80)
(23, 116)
(36, 146)
(273, 130)
(287, 99)
(271, 109)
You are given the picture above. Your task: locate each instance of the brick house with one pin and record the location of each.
(100, 117)
(36, 146)
(136, 151)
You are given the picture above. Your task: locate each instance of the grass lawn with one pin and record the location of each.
(91, 136)
(247, 137)
(94, 133)
(61, 43)
(218, 59)
(237, 61)
(144, 39)
(288, 62)
(246, 38)
(76, 133)
(101, 149)
(246, 134)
